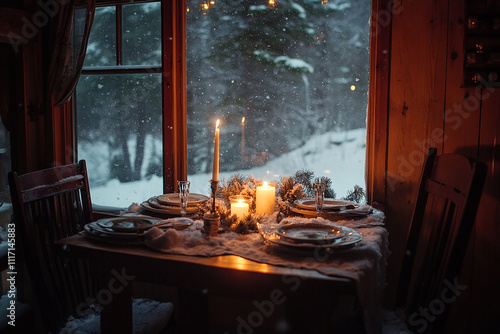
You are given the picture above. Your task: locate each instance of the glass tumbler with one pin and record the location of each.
(183, 194)
(319, 196)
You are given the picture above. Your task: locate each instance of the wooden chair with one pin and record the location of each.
(49, 205)
(443, 218)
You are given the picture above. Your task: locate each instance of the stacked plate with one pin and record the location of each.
(312, 235)
(129, 230)
(169, 204)
(332, 209)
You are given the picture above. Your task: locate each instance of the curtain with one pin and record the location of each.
(68, 37)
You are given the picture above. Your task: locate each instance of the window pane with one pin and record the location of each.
(142, 34)
(5, 200)
(297, 72)
(120, 136)
(101, 49)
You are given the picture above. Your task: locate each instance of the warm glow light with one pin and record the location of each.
(217, 124)
(243, 120)
(212, 3)
(272, 3)
(239, 208)
(324, 2)
(353, 87)
(240, 263)
(265, 199)
(204, 6)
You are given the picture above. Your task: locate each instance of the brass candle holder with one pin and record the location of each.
(214, 185)
(211, 220)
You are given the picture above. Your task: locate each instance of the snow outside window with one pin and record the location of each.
(119, 105)
(289, 83)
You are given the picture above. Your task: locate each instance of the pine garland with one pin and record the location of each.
(289, 189)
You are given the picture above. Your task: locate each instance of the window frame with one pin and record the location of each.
(174, 124)
(173, 71)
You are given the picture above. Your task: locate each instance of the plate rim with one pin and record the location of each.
(202, 198)
(94, 228)
(299, 203)
(98, 236)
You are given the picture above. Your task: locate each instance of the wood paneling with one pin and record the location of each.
(416, 99)
(428, 105)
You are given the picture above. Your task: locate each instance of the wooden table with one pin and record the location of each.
(308, 296)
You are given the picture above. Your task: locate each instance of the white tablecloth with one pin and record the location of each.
(365, 263)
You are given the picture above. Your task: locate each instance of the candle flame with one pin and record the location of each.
(265, 184)
(240, 201)
(243, 119)
(217, 124)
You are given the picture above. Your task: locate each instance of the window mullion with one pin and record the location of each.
(119, 50)
(174, 93)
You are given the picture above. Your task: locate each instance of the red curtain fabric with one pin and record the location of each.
(68, 37)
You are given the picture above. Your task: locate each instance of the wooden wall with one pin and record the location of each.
(428, 105)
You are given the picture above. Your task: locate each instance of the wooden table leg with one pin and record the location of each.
(193, 311)
(115, 297)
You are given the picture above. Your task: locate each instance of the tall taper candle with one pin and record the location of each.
(243, 137)
(215, 171)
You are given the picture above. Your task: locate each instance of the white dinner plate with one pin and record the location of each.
(173, 199)
(350, 240)
(127, 224)
(316, 234)
(173, 210)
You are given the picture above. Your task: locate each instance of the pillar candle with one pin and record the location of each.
(215, 170)
(239, 209)
(265, 199)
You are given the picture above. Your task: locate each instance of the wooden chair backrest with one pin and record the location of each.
(442, 221)
(49, 205)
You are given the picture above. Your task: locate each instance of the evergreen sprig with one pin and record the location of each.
(356, 195)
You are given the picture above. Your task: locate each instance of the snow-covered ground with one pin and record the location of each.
(337, 155)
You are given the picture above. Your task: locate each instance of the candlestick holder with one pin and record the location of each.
(214, 185)
(211, 220)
